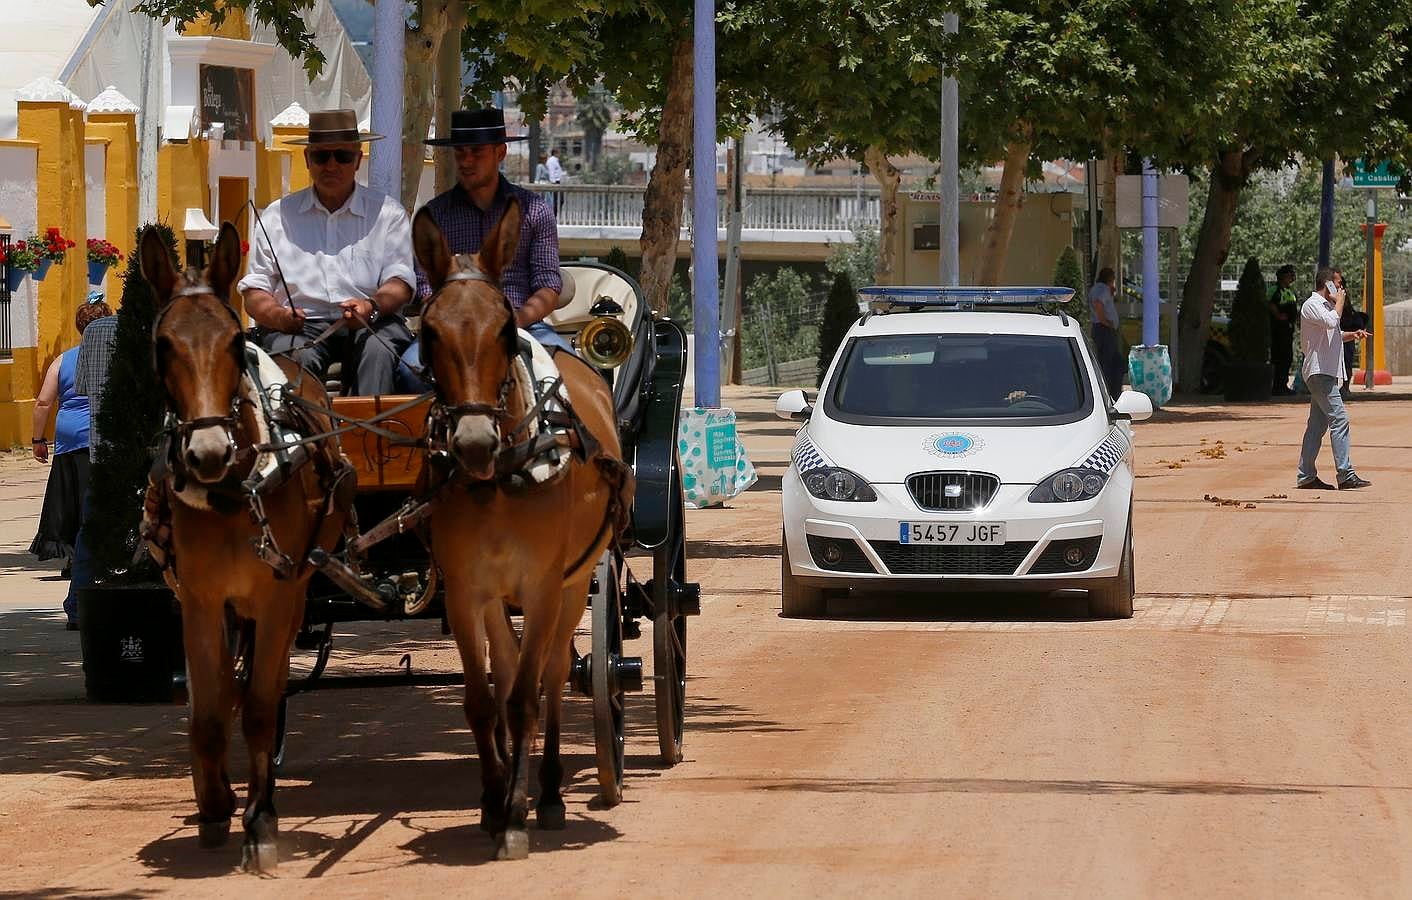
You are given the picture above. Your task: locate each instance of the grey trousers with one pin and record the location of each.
(1326, 413)
(370, 358)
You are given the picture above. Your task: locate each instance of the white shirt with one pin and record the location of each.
(1321, 338)
(328, 257)
(556, 169)
(1100, 297)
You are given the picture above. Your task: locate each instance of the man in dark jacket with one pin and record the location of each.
(1284, 314)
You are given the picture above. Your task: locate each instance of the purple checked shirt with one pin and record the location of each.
(465, 226)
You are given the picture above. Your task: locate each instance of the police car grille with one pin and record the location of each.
(972, 490)
(930, 559)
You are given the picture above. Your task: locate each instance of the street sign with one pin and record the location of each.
(1173, 209)
(1381, 177)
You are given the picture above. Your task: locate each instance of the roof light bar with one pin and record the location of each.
(899, 298)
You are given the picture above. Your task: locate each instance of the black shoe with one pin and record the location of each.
(1353, 481)
(1315, 484)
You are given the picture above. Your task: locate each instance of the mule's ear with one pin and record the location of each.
(225, 262)
(157, 265)
(429, 244)
(498, 251)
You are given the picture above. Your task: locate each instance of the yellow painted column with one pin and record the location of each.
(280, 141)
(120, 186)
(182, 184)
(57, 127)
(1373, 305)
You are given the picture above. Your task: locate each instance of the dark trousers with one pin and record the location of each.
(1110, 358)
(81, 573)
(370, 358)
(1281, 358)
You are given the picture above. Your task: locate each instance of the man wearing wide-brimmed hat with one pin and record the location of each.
(468, 211)
(335, 251)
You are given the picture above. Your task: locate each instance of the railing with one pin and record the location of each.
(765, 209)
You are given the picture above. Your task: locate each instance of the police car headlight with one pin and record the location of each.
(832, 483)
(1069, 486)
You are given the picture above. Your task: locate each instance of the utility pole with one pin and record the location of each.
(730, 307)
(388, 75)
(949, 228)
(1326, 214)
(706, 297)
(1151, 296)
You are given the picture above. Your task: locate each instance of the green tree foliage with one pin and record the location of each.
(1250, 317)
(779, 322)
(129, 417)
(618, 258)
(1068, 273)
(858, 260)
(679, 301)
(594, 114)
(840, 312)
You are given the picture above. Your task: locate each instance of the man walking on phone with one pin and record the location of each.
(1322, 341)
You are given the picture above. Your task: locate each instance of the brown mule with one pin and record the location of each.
(505, 545)
(237, 613)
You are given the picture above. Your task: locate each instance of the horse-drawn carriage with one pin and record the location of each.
(602, 311)
(522, 491)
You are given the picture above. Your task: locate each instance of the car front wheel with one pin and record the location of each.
(797, 600)
(1114, 600)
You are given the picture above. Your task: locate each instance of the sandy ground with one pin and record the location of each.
(1246, 734)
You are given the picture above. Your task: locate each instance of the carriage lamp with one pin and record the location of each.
(199, 232)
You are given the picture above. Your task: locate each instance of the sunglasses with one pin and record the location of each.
(343, 157)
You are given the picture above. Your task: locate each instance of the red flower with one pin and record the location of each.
(244, 248)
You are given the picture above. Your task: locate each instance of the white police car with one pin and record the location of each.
(962, 440)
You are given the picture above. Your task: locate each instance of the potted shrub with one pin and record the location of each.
(20, 260)
(51, 247)
(1248, 375)
(101, 255)
(129, 623)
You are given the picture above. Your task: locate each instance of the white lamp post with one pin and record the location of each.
(199, 231)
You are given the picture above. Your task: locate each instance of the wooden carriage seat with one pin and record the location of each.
(382, 465)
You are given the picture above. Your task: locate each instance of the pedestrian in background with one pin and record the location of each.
(62, 512)
(95, 356)
(541, 171)
(1322, 341)
(1284, 313)
(1105, 331)
(1351, 320)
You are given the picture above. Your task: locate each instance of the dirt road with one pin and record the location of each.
(1246, 733)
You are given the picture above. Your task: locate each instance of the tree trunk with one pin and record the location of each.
(662, 203)
(888, 178)
(592, 147)
(419, 94)
(1213, 244)
(995, 245)
(534, 126)
(448, 91)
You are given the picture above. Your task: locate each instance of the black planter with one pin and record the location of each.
(131, 639)
(1248, 381)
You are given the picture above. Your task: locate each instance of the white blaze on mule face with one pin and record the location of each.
(208, 452)
(474, 442)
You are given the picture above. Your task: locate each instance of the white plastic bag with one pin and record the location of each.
(714, 467)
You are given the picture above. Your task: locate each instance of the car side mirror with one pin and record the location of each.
(793, 406)
(1134, 405)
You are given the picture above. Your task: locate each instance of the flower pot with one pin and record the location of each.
(131, 640)
(1248, 381)
(1150, 371)
(96, 272)
(43, 269)
(14, 278)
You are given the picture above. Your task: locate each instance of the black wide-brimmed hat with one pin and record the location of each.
(335, 126)
(475, 126)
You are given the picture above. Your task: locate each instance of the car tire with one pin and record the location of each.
(1114, 600)
(797, 600)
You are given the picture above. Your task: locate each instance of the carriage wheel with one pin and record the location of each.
(669, 628)
(608, 692)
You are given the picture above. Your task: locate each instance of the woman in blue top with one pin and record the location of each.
(68, 478)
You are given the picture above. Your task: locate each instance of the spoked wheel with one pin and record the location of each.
(608, 692)
(669, 627)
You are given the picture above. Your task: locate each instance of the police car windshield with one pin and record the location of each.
(960, 376)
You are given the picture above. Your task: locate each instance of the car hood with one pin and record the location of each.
(888, 454)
